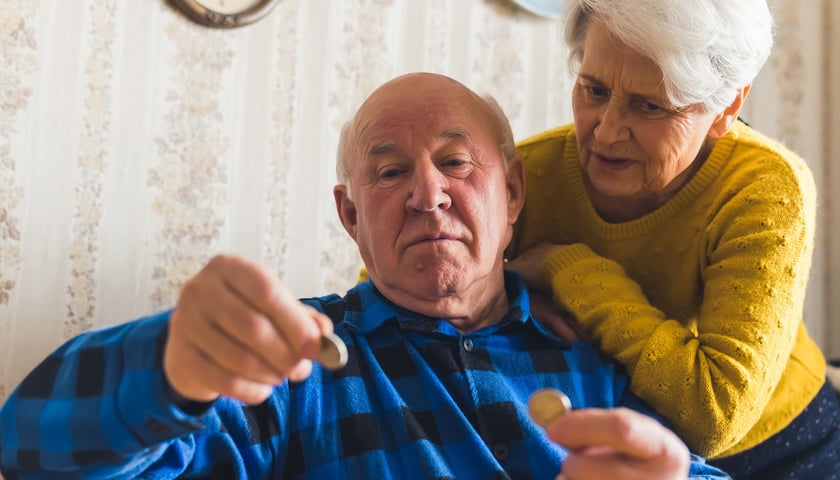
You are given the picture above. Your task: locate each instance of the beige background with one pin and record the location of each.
(135, 144)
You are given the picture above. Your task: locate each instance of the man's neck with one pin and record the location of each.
(474, 308)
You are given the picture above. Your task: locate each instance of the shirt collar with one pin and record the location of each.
(372, 310)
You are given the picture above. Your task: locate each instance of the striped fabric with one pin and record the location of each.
(416, 400)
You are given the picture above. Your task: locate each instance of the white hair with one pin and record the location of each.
(499, 122)
(707, 49)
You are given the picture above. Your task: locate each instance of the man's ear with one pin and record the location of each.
(346, 209)
(724, 120)
(515, 188)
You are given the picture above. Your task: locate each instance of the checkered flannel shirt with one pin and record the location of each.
(417, 399)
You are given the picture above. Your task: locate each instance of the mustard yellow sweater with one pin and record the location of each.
(702, 299)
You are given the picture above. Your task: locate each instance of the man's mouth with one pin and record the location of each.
(439, 237)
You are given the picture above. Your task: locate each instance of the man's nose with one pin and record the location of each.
(428, 190)
(613, 124)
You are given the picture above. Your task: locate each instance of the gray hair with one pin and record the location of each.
(500, 124)
(707, 49)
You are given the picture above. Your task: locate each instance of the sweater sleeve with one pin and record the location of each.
(710, 375)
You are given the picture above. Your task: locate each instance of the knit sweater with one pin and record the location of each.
(702, 299)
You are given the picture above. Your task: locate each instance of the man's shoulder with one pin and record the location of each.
(337, 306)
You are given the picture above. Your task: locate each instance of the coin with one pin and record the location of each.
(546, 404)
(333, 354)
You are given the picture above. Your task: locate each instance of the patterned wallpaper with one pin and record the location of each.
(135, 144)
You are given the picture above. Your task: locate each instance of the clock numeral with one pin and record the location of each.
(221, 19)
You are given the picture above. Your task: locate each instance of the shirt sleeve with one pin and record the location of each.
(97, 408)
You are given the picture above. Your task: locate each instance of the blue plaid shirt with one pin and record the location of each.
(417, 399)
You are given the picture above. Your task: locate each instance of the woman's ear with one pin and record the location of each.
(346, 209)
(724, 120)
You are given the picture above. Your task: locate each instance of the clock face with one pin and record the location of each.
(225, 13)
(229, 7)
(545, 8)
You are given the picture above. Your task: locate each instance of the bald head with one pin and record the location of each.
(410, 93)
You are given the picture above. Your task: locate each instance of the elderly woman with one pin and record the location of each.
(679, 238)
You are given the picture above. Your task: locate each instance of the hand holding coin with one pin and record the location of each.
(546, 404)
(333, 354)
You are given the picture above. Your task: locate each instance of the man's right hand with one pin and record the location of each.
(617, 443)
(237, 331)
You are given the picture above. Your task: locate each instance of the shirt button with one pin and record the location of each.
(501, 452)
(468, 344)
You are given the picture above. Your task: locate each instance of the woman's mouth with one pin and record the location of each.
(611, 163)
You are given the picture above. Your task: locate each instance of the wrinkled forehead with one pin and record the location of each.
(411, 119)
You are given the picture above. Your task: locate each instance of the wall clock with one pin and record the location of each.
(225, 13)
(545, 8)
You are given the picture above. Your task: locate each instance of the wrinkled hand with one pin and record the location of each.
(530, 263)
(237, 331)
(552, 316)
(618, 443)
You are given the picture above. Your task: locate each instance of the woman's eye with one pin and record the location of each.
(651, 107)
(595, 91)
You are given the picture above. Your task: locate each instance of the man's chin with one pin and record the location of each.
(421, 287)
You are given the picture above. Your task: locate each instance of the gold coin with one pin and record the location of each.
(546, 404)
(333, 354)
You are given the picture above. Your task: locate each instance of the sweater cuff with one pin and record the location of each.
(563, 257)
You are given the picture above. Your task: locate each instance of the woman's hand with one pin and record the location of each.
(530, 266)
(552, 316)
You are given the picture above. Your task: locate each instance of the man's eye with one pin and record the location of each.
(454, 162)
(457, 167)
(390, 172)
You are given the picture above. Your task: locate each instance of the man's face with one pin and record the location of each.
(432, 206)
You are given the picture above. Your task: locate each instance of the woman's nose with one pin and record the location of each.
(613, 125)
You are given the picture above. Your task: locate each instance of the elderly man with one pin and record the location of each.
(443, 352)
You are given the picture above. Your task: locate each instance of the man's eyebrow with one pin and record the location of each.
(380, 148)
(458, 134)
(455, 133)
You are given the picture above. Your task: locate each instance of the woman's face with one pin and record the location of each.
(636, 150)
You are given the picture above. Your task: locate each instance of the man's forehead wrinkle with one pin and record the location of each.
(395, 116)
(385, 146)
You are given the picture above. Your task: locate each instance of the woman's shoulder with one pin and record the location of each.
(769, 152)
(758, 170)
(552, 139)
(750, 158)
